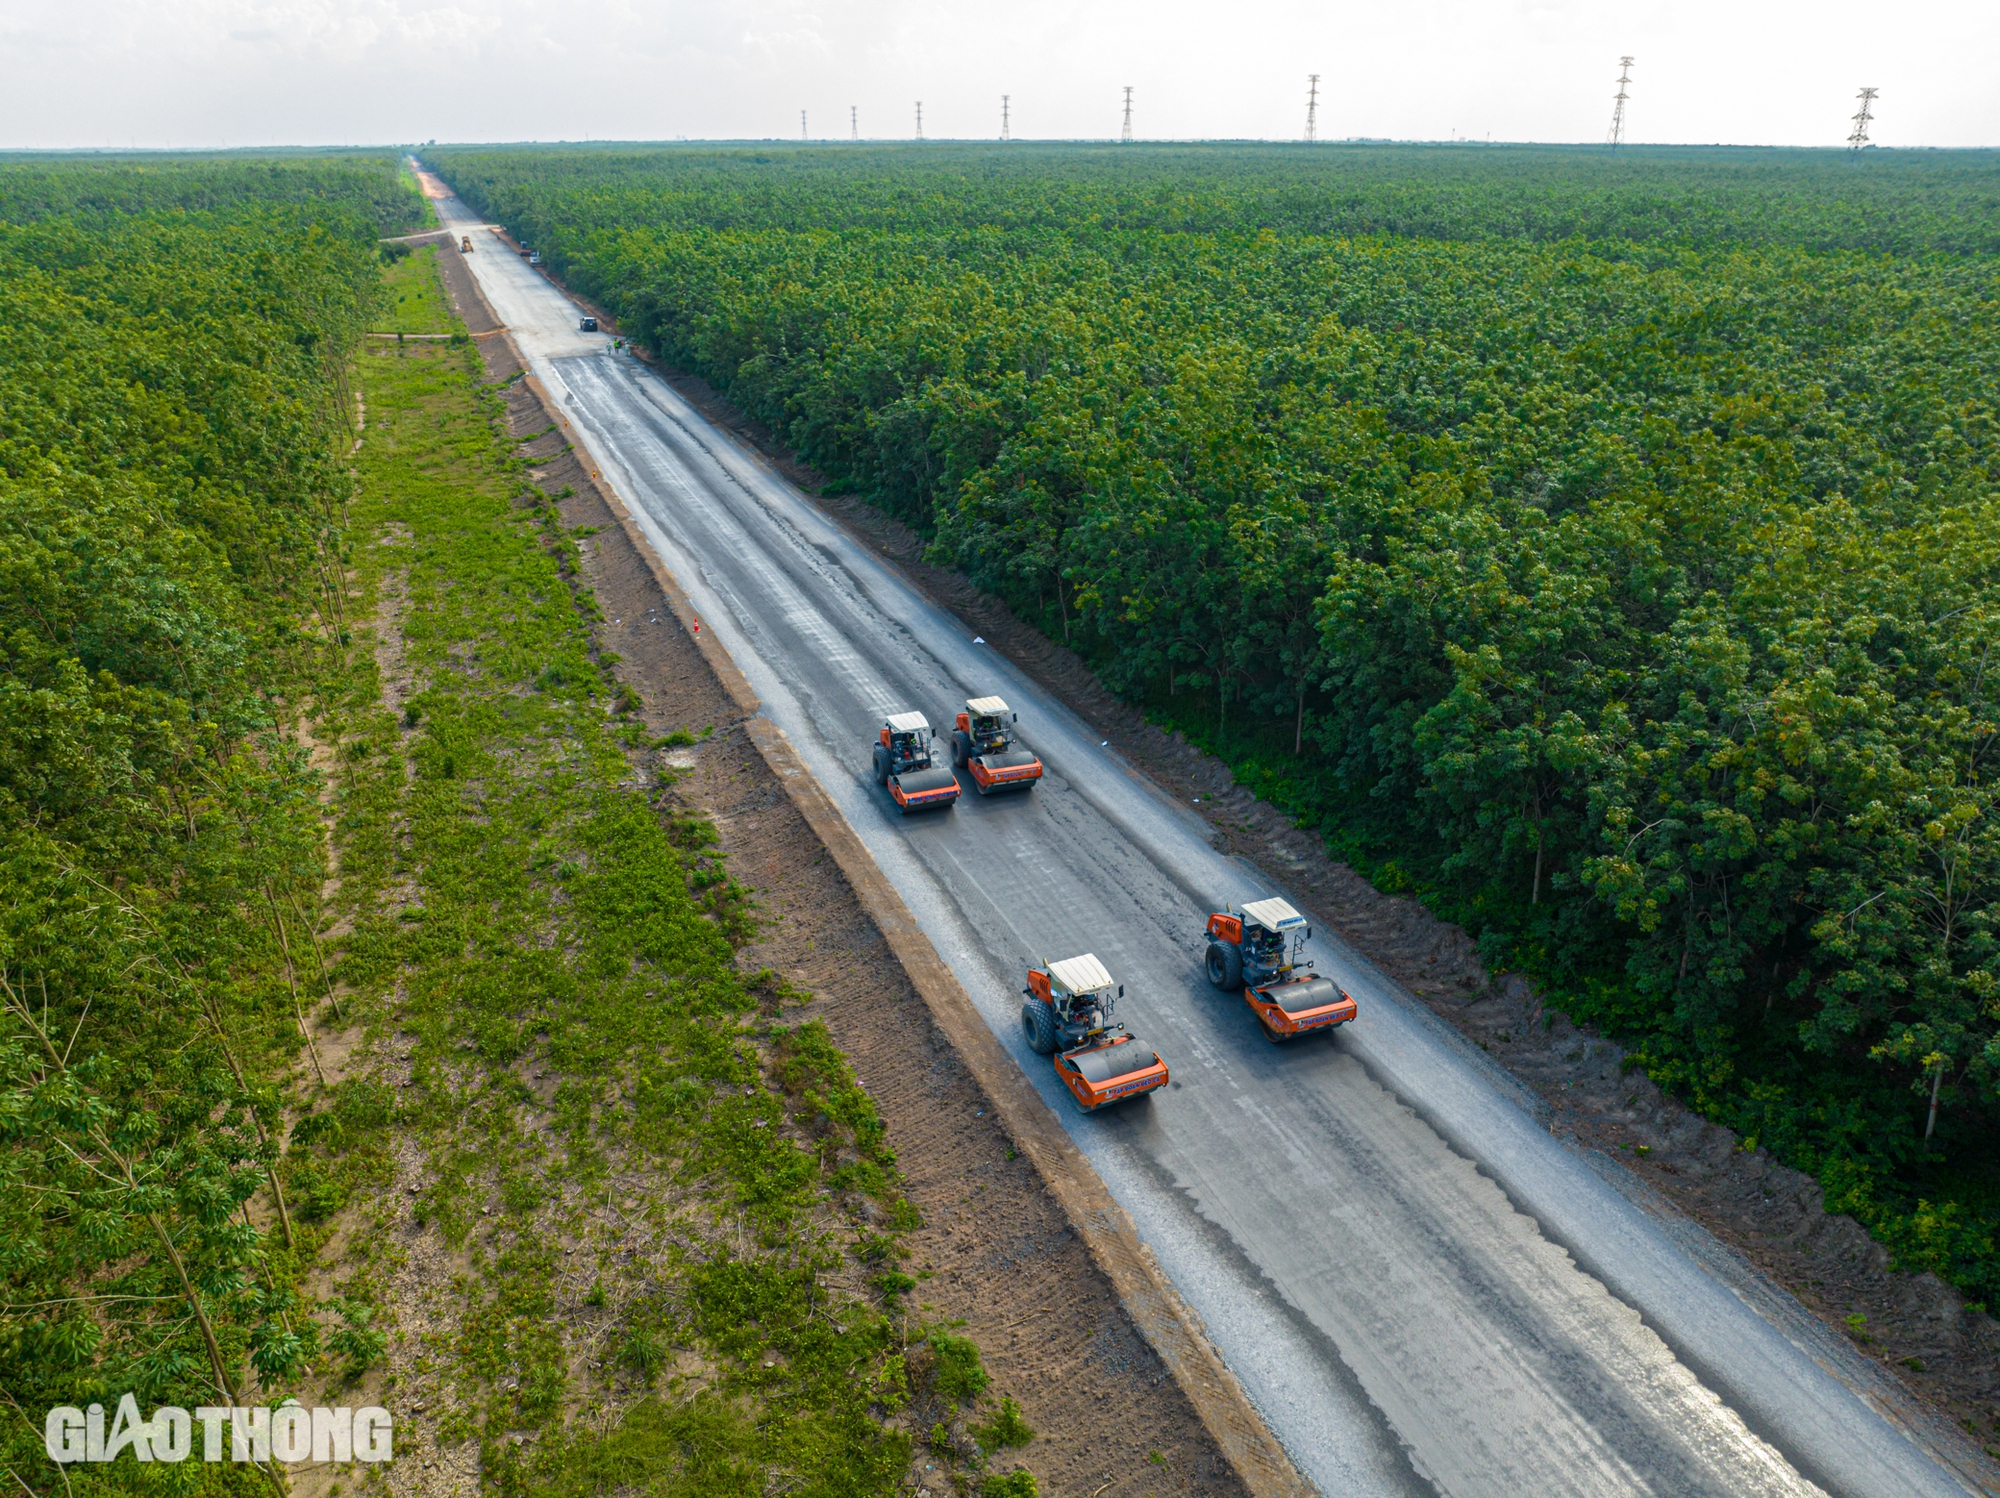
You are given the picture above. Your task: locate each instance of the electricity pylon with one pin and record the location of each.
(1312, 109)
(854, 121)
(1858, 137)
(1618, 108)
(1003, 117)
(802, 124)
(920, 119)
(1126, 138)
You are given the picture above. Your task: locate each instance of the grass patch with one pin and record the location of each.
(663, 1226)
(413, 294)
(1007, 1428)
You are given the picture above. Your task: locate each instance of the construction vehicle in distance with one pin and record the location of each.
(465, 244)
(903, 763)
(1257, 950)
(983, 743)
(1068, 1016)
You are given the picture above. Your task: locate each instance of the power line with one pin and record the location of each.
(1859, 135)
(920, 119)
(1004, 123)
(1618, 108)
(1126, 138)
(1312, 109)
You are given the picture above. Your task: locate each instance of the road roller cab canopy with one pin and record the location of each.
(1274, 915)
(907, 738)
(1078, 975)
(988, 717)
(1080, 994)
(906, 745)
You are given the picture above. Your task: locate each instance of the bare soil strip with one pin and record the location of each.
(466, 301)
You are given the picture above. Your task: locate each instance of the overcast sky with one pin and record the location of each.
(259, 72)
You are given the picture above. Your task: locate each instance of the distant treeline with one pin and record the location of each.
(175, 417)
(367, 192)
(1604, 546)
(1891, 202)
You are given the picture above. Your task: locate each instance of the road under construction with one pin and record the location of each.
(1421, 1289)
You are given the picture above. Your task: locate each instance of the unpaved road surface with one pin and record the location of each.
(1422, 1290)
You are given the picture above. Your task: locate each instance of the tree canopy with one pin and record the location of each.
(1612, 541)
(174, 412)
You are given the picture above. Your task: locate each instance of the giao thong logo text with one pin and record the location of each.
(289, 1432)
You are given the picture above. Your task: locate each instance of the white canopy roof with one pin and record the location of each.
(906, 723)
(1083, 974)
(986, 705)
(1273, 915)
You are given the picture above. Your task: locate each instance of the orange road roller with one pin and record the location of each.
(1068, 1017)
(1257, 950)
(903, 763)
(983, 743)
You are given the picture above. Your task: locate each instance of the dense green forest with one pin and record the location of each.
(173, 407)
(280, 953)
(1702, 198)
(1603, 547)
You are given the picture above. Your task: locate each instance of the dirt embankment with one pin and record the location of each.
(466, 301)
(1943, 1356)
(996, 1254)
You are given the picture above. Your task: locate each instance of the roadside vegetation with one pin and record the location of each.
(1603, 549)
(413, 296)
(668, 1214)
(372, 1028)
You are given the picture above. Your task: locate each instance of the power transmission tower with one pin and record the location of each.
(1126, 138)
(854, 121)
(1312, 109)
(920, 119)
(1004, 122)
(1859, 136)
(1618, 108)
(802, 124)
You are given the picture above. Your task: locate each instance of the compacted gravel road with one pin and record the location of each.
(1420, 1288)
